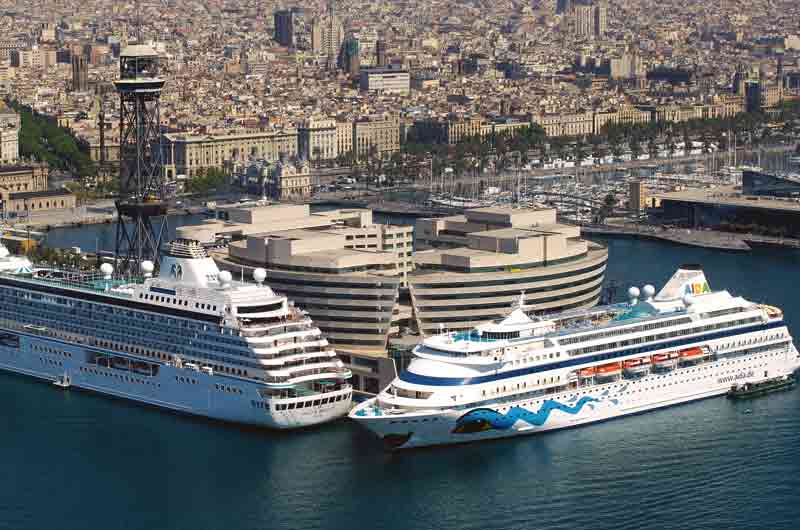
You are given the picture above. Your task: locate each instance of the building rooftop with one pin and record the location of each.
(38, 194)
(730, 196)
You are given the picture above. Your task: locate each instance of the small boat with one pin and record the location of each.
(693, 354)
(746, 390)
(666, 360)
(606, 370)
(63, 381)
(636, 366)
(588, 372)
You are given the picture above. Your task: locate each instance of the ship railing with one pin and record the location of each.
(276, 331)
(335, 372)
(35, 329)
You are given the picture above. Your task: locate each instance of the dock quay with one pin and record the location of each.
(710, 239)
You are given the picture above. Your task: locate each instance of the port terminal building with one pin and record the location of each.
(767, 204)
(472, 268)
(364, 285)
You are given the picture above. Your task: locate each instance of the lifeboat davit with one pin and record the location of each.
(642, 364)
(666, 360)
(609, 369)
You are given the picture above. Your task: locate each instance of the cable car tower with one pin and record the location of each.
(141, 178)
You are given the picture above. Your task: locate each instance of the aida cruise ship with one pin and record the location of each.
(524, 375)
(190, 340)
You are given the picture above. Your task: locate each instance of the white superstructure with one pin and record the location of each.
(190, 340)
(524, 375)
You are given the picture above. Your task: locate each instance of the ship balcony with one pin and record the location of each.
(260, 328)
(298, 367)
(307, 369)
(321, 374)
(283, 346)
(288, 381)
(271, 336)
(290, 360)
(303, 392)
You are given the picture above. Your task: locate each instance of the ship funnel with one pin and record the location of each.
(687, 280)
(188, 262)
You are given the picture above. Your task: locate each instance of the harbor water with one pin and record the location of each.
(73, 460)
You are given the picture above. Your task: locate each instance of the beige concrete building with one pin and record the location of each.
(626, 114)
(637, 195)
(25, 178)
(449, 130)
(385, 80)
(32, 202)
(9, 135)
(190, 155)
(289, 181)
(344, 137)
(317, 139)
(577, 124)
(470, 268)
(342, 268)
(381, 132)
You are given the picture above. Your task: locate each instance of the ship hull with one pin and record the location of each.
(178, 389)
(575, 407)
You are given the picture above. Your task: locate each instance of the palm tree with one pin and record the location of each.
(652, 147)
(635, 147)
(578, 152)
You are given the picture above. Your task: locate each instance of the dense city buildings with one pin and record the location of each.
(573, 67)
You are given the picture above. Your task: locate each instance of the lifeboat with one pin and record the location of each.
(588, 372)
(666, 360)
(642, 364)
(609, 369)
(693, 354)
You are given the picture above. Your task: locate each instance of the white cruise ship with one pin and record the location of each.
(524, 376)
(191, 340)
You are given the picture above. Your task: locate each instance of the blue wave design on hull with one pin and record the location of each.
(483, 419)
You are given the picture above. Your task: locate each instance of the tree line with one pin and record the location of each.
(43, 140)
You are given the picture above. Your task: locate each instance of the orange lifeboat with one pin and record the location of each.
(666, 360)
(633, 363)
(642, 364)
(588, 372)
(692, 353)
(609, 369)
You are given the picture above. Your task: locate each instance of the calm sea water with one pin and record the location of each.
(72, 460)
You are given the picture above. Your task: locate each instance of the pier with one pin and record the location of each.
(710, 239)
